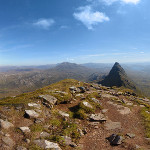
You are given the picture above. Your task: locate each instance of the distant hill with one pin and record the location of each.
(118, 77)
(16, 82)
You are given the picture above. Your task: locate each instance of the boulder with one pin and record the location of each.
(97, 117)
(5, 124)
(48, 100)
(63, 114)
(31, 114)
(46, 144)
(115, 139)
(25, 129)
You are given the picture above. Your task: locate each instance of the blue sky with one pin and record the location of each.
(34, 32)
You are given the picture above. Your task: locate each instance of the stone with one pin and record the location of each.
(82, 89)
(27, 141)
(48, 100)
(86, 104)
(68, 141)
(104, 110)
(96, 100)
(8, 141)
(63, 114)
(34, 105)
(31, 114)
(130, 135)
(21, 148)
(25, 129)
(73, 88)
(125, 111)
(44, 134)
(115, 139)
(46, 144)
(80, 131)
(2, 116)
(142, 106)
(97, 117)
(129, 104)
(5, 124)
(39, 120)
(110, 125)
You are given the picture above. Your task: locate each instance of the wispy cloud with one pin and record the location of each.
(89, 17)
(44, 23)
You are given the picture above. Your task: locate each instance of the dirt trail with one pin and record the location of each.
(131, 123)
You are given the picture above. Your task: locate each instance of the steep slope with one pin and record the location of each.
(71, 115)
(118, 77)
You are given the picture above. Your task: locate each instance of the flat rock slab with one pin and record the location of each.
(5, 124)
(25, 129)
(47, 144)
(110, 125)
(63, 114)
(97, 117)
(49, 99)
(31, 114)
(86, 104)
(34, 105)
(125, 111)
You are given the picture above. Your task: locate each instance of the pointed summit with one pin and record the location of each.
(118, 77)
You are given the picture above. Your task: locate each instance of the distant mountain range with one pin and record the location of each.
(24, 80)
(16, 80)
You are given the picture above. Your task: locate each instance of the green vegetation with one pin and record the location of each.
(146, 117)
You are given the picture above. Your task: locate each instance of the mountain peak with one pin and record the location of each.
(118, 77)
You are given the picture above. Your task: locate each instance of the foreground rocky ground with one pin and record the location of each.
(75, 115)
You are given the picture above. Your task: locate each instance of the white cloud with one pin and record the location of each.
(109, 2)
(44, 23)
(89, 17)
(131, 1)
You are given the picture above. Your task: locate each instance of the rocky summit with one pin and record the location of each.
(76, 115)
(118, 77)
